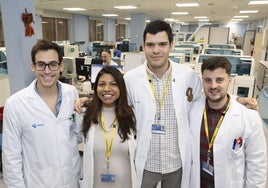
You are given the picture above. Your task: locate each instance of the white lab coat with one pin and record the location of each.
(243, 167)
(88, 160)
(142, 99)
(39, 149)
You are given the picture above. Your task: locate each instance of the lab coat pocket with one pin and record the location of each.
(236, 161)
(41, 178)
(235, 148)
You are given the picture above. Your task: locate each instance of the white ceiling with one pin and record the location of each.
(217, 11)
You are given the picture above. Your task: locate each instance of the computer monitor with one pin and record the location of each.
(82, 69)
(176, 59)
(96, 61)
(243, 68)
(241, 65)
(69, 66)
(95, 69)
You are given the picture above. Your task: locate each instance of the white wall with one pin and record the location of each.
(4, 88)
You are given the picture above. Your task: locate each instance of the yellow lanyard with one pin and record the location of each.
(108, 145)
(160, 102)
(211, 142)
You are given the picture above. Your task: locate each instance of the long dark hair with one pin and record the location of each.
(124, 113)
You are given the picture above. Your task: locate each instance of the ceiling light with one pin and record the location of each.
(74, 9)
(248, 11)
(233, 22)
(127, 18)
(258, 3)
(125, 7)
(187, 5)
(203, 20)
(169, 19)
(237, 20)
(241, 16)
(200, 17)
(179, 13)
(109, 15)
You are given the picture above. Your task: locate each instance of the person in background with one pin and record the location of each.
(40, 147)
(117, 53)
(162, 93)
(106, 58)
(229, 147)
(108, 128)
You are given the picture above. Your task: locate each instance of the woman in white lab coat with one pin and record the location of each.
(241, 167)
(108, 130)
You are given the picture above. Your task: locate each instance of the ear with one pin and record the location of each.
(61, 67)
(230, 79)
(32, 66)
(171, 45)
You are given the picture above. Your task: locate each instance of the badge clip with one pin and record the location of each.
(189, 94)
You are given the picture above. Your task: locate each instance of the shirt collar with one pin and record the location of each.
(218, 111)
(59, 100)
(151, 74)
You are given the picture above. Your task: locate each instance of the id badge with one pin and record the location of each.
(206, 167)
(158, 129)
(108, 177)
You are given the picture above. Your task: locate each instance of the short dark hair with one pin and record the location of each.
(44, 45)
(157, 26)
(107, 50)
(216, 62)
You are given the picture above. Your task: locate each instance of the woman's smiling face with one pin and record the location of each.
(108, 90)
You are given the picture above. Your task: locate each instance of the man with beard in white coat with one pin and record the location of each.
(229, 147)
(39, 130)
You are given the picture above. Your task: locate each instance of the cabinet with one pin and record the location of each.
(262, 75)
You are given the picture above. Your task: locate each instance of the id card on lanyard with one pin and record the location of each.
(107, 175)
(206, 166)
(158, 128)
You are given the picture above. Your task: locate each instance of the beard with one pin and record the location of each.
(213, 99)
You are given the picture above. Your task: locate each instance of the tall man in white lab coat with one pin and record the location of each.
(162, 92)
(229, 148)
(39, 130)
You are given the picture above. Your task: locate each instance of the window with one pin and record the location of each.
(95, 30)
(120, 32)
(55, 29)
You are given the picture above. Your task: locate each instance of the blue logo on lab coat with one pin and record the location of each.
(37, 125)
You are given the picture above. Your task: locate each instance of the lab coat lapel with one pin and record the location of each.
(231, 119)
(145, 82)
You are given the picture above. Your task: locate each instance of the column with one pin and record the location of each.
(18, 46)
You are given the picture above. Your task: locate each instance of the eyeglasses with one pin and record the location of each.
(40, 65)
